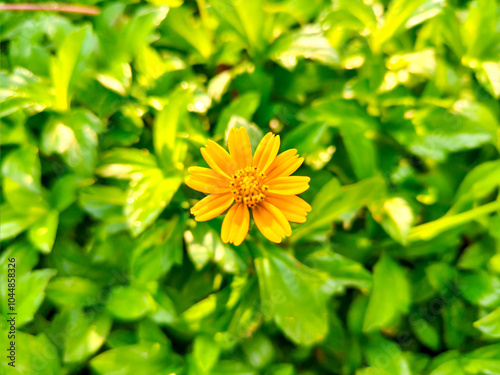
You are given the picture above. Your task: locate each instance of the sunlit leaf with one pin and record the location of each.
(389, 298)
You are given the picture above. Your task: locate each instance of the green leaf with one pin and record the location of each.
(360, 148)
(101, 201)
(282, 369)
(23, 200)
(23, 167)
(480, 27)
(478, 184)
(246, 19)
(147, 198)
(390, 295)
(356, 127)
(150, 358)
(88, 336)
(158, 250)
(475, 256)
(30, 291)
(26, 257)
(349, 198)
(243, 106)
(205, 353)
(185, 32)
(393, 362)
(63, 192)
(129, 303)
(484, 360)
(218, 85)
(149, 331)
(343, 272)
(15, 134)
(204, 245)
(74, 137)
(200, 244)
(395, 21)
(149, 191)
(21, 171)
(305, 138)
(230, 367)
(165, 311)
(70, 63)
(441, 275)
(121, 337)
(259, 351)
(449, 367)
(490, 324)
(42, 233)
(295, 295)
(455, 318)
(468, 125)
(166, 126)
(488, 73)
(35, 355)
(13, 222)
(25, 91)
(307, 43)
(137, 30)
(397, 218)
(480, 288)
(126, 163)
(426, 332)
(73, 291)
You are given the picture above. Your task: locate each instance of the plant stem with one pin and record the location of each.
(429, 230)
(52, 7)
(202, 7)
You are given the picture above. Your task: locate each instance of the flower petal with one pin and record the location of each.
(211, 206)
(266, 151)
(271, 222)
(264, 222)
(290, 185)
(294, 208)
(284, 164)
(217, 158)
(207, 181)
(235, 225)
(210, 173)
(239, 147)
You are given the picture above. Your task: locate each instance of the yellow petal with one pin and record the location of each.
(211, 206)
(207, 184)
(266, 151)
(235, 225)
(217, 158)
(210, 173)
(195, 171)
(242, 222)
(264, 222)
(284, 164)
(271, 222)
(239, 147)
(279, 217)
(290, 185)
(294, 208)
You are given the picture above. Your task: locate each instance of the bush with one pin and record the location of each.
(394, 106)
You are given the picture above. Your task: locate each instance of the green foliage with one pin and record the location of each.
(394, 106)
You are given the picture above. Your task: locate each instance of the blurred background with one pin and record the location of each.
(393, 104)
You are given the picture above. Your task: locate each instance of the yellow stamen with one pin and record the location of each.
(247, 186)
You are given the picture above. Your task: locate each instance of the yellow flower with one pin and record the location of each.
(262, 183)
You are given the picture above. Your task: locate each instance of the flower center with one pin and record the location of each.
(247, 186)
